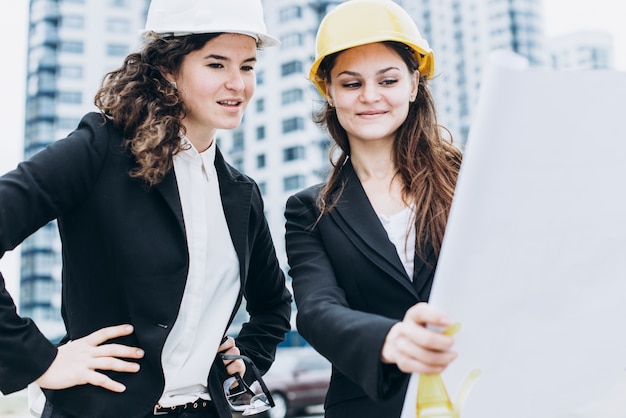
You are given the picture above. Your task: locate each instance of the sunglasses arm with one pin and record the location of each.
(255, 372)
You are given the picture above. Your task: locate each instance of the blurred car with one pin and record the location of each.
(298, 379)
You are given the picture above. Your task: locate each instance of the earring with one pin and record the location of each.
(173, 84)
(330, 104)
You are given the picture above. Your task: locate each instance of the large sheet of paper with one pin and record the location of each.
(534, 259)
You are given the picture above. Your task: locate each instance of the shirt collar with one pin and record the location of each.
(189, 152)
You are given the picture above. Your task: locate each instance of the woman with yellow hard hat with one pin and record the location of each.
(363, 247)
(162, 238)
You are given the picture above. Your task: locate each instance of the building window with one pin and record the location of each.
(290, 13)
(44, 107)
(72, 22)
(118, 26)
(238, 141)
(291, 67)
(292, 96)
(68, 124)
(293, 182)
(260, 105)
(116, 50)
(45, 83)
(293, 124)
(118, 3)
(293, 153)
(260, 78)
(39, 262)
(73, 47)
(71, 71)
(263, 188)
(291, 40)
(260, 161)
(42, 131)
(72, 97)
(260, 133)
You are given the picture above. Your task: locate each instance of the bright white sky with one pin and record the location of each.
(561, 16)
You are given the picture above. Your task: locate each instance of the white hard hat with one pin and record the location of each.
(186, 17)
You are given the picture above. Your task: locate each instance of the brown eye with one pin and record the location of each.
(351, 85)
(389, 82)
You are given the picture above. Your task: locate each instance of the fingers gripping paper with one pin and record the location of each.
(533, 263)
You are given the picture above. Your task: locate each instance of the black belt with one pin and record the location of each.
(199, 405)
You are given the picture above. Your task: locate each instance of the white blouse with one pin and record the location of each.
(212, 282)
(397, 226)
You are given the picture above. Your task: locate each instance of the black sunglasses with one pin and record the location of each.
(240, 396)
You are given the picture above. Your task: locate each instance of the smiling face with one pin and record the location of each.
(216, 84)
(371, 88)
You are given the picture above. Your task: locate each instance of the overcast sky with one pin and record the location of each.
(561, 16)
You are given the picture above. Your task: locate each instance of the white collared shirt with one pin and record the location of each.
(212, 283)
(401, 231)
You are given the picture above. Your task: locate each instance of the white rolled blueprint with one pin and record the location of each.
(533, 263)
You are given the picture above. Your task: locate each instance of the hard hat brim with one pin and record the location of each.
(425, 59)
(263, 40)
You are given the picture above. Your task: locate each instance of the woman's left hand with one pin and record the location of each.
(232, 366)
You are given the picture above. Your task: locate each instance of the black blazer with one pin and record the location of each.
(350, 287)
(125, 260)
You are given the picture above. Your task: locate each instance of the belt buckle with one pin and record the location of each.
(156, 411)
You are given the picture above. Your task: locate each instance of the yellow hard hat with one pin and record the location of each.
(360, 22)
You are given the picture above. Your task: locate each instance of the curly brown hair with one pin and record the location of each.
(139, 100)
(427, 162)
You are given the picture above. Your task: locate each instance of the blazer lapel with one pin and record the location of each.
(355, 215)
(169, 190)
(236, 193)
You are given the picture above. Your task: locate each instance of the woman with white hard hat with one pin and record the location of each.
(162, 239)
(362, 247)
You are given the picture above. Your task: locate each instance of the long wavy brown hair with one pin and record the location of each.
(139, 100)
(427, 162)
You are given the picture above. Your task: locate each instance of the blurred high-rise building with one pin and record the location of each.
(462, 34)
(581, 50)
(73, 43)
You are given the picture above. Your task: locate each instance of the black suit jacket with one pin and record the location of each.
(350, 287)
(125, 260)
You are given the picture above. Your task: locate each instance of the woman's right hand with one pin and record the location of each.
(414, 347)
(78, 362)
